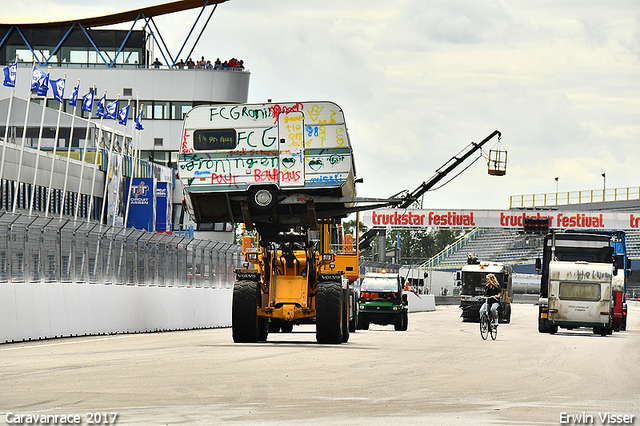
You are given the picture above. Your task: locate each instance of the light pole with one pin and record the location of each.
(556, 178)
(604, 184)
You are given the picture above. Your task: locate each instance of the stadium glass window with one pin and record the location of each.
(161, 110)
(180, 109)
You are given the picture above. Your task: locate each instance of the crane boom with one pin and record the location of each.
(447, 167)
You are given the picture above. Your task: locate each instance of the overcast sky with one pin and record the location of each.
(420, 79)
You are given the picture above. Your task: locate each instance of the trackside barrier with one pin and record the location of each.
(59, 277)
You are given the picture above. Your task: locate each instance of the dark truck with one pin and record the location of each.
(382, 302)
(473, 279)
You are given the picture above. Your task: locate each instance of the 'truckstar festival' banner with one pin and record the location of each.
(498, 219)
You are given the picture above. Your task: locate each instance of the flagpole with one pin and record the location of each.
(95, 164)
(35, 173)
(24, 137)
(106, 175)
(55, 150)
(6, 129)
(134, 168)
(69, 143)
(122, 153)
(84, 154)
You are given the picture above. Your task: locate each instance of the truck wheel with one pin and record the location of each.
(262, 198)
(401, 322)
(353, 322)
(287, 327)
(543, 324)
(244, 312)
(263, 329)
(274, 326)
(553, 329)
(345, 318)
(329, 312)
(507, 317)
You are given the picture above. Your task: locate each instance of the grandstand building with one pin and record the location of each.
(120, 65)
(520, 249)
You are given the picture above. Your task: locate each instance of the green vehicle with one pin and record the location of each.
(382, 302)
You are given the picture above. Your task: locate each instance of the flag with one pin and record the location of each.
(43, 88)
(112, 110)
(100, 104)
(138, 123)
(73, 100)
(10, 75)
(123, 114)
(87, 104)
(36, 77)
(57, 88)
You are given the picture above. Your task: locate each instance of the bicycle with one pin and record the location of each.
(488, 325)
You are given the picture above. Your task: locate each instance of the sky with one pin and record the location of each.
(418, 80)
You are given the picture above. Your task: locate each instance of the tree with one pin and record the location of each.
(417, 246)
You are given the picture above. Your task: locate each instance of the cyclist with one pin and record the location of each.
(493, 291)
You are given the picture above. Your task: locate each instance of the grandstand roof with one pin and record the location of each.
(121, 17)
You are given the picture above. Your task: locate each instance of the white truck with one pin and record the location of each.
(580, 295)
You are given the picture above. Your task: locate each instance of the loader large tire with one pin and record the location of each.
(244, 312)
(329, 312)
(345, 317)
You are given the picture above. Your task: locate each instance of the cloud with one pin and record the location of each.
(420, 79)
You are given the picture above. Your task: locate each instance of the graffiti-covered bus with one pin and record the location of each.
(286, 163)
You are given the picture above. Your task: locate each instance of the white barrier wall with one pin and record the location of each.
(420, 302)
(31, 311)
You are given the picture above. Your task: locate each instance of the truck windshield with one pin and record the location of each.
(370, 284)
(579, 291)
(473, 283)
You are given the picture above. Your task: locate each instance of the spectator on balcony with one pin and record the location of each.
(202, 64)
(157, 63)
(209, 65)
(180, 64)
(217, 64)
(190, 64)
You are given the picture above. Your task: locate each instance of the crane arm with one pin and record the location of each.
(446, 168)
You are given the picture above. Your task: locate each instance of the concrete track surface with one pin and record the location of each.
(440, 371)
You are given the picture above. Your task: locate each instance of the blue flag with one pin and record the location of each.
(36, 78)
(138, 123)
(73, 100)
(10, 75)
(100, 105)
(123, 114)
(57, 88)
(112, 110)
(44, 86)
(87, 104)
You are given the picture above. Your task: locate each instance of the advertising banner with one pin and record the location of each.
(142, 204)
(558, 219)
(163, 207)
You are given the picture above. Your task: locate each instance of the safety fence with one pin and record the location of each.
(574, 197)
(44, 249)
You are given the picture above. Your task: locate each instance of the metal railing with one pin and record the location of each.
(452, 248)
(36, 249)
(575, 197)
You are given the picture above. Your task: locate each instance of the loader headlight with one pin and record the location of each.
(252, 256)
(327, 257)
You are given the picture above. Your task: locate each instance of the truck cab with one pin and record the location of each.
(472, 280)
(580, 296)
(574, 265)
(382, 302)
